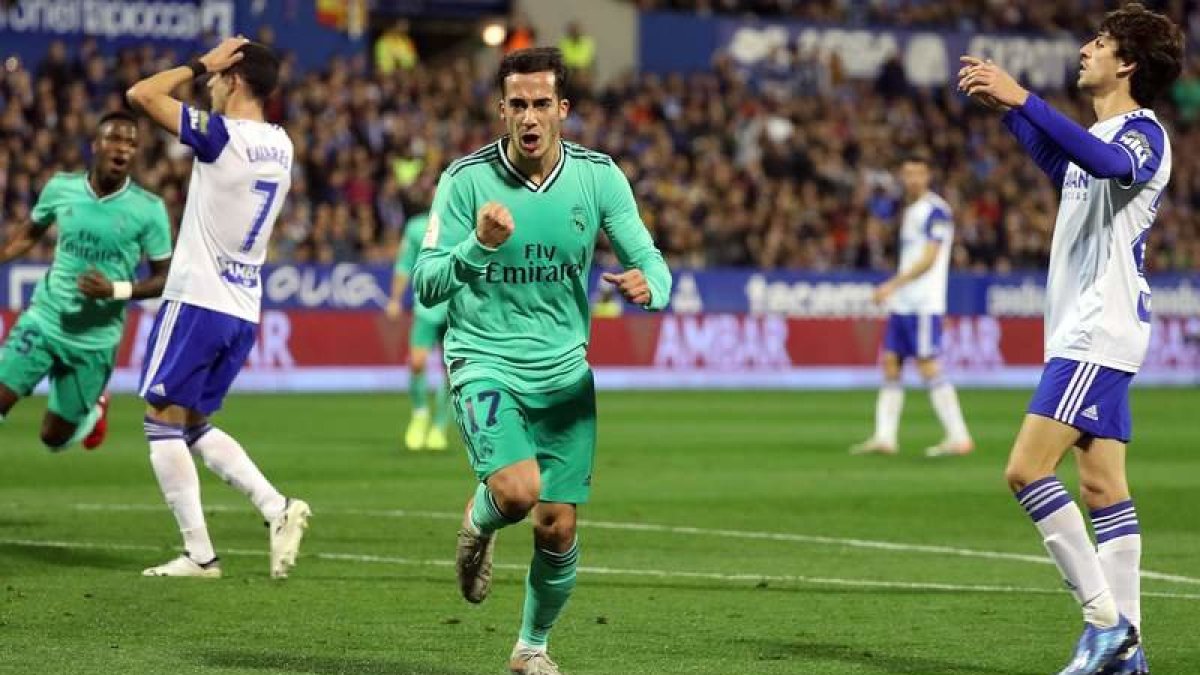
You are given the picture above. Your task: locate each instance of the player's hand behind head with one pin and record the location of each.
(493, 224)
(394, 310)
(224, 55)
(95, 285)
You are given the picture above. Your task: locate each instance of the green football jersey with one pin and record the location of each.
(110, 234)
(410, 247)
(519, 313)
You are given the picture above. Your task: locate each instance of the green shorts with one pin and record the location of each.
(77, 376)
(501, 427)
(427, 332)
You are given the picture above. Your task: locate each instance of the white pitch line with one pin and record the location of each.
(741, 578)
(900, 547)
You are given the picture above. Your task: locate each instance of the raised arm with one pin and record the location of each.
(1045, 152)
(646, 272)
(153, 94)
(458, 244)
(1132, 157)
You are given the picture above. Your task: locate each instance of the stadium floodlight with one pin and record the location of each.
(494, 33)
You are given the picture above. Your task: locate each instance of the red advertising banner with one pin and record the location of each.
(319, 350)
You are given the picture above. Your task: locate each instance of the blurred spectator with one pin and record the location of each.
(1186, 93)
(761, 168)
(395, 50)
(578, 48)
(520, 35)
(1076, 16)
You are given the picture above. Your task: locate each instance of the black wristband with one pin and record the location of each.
(198, 67)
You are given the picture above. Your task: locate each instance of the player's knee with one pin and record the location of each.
(555, 531)
(1102, 491)
(8, 399)
(891, 367)
(516, 495)
(55, 439)
(417, 359)
(1018, 476)
(929, 370)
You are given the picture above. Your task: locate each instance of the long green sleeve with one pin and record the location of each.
(632, 243)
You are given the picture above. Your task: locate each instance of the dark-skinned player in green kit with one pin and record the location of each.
(510, 244)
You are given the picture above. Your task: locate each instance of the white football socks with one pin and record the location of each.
(945, 403)
(1121, 560)
(181, 488)
(887, 413)
(226, 458)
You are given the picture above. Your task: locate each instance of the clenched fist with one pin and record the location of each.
(632, 286)
(493, 225)
(95, 285)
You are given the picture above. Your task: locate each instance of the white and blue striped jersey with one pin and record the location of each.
(1098, 299)
(240, 177)
(926, 219)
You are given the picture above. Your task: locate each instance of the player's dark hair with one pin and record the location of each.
(259, 69)
(1152, 42)
(535, 60)
(915, 157)
(116, 116)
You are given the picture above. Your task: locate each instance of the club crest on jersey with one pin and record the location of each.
(431, 232)
(579, 218)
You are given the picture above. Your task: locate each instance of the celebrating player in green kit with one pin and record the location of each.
(71, 330)
(510, 245)
(428, 329)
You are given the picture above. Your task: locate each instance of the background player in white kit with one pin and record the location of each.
(208, 321)
(916, 300)
(1111, 178)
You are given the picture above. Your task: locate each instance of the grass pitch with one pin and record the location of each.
(728, 532)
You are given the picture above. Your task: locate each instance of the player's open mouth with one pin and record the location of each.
(529, 142)
(120, 163)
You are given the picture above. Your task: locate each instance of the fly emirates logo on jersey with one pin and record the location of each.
(539, 263)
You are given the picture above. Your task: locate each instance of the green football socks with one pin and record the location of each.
(486, 516)
(85, 427)
(441, 405)
(548, 586)
(416, 390)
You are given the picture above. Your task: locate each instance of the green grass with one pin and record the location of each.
(374, 593)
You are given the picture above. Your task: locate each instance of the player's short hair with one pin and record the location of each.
(115, 116)
(535, 60)
(1150, 40)
(915, 157)
(259, 69)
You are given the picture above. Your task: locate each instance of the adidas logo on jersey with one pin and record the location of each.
(1092, 413)
(158, 390)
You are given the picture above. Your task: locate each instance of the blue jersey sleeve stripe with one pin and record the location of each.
(204, 133)
(1144, 143)
(936, 215)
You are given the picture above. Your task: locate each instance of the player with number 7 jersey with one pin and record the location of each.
(207, 325)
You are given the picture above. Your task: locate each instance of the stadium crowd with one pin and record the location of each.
(1076, 16)
(787, 166)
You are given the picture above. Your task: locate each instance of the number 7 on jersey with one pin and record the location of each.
(267, 189)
